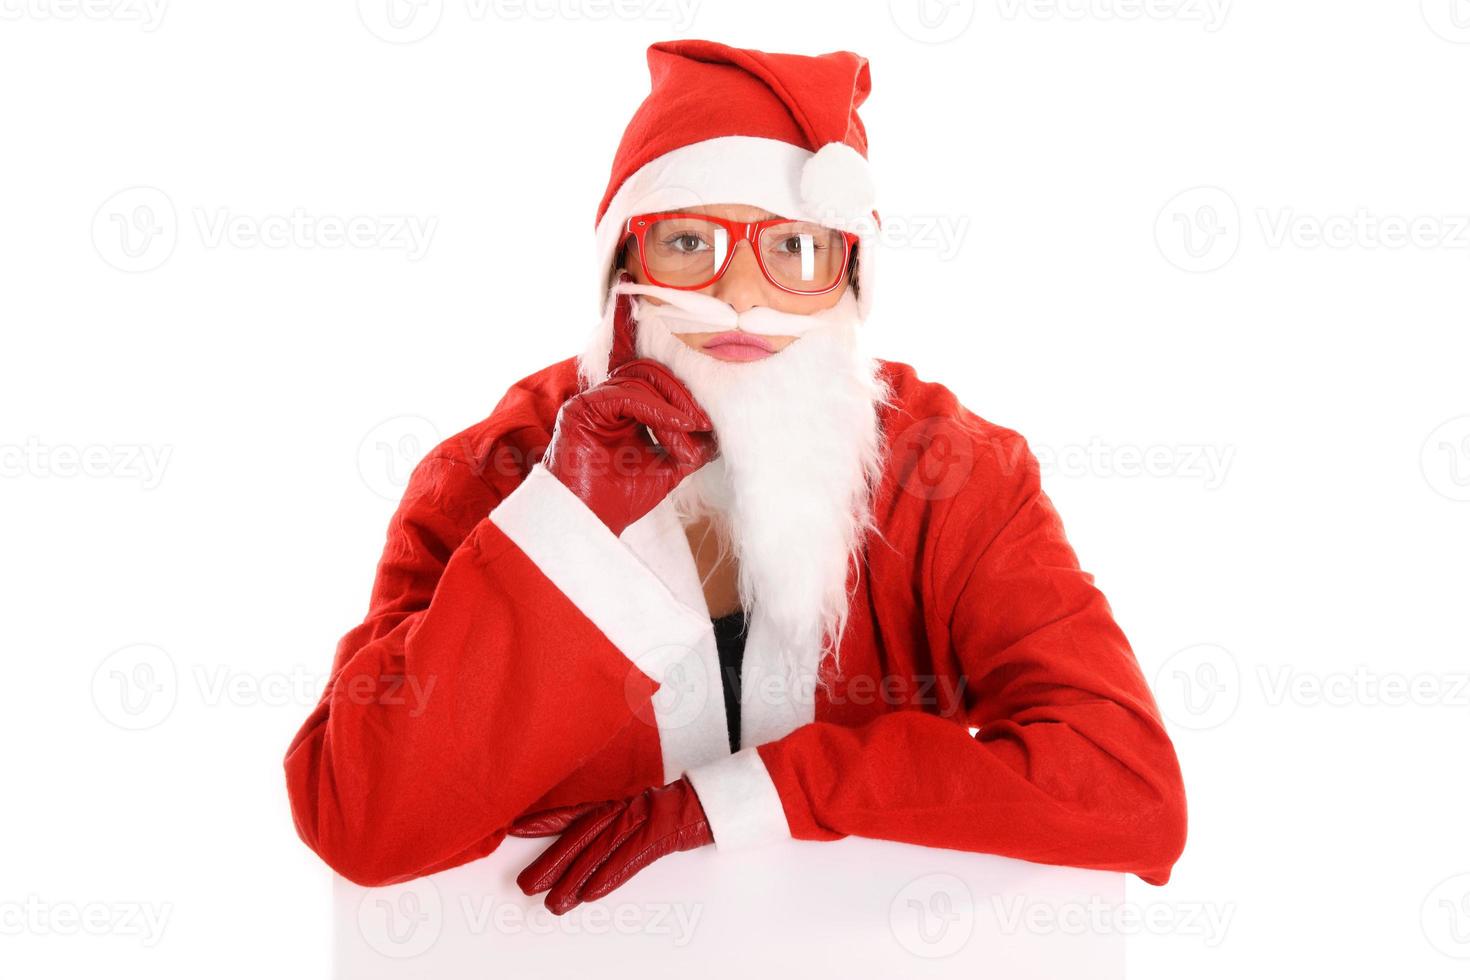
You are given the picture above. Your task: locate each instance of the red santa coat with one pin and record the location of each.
(517, 655)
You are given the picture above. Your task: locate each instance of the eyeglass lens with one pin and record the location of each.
(797, 255)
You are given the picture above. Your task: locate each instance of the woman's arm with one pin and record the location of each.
(507, 641)
(1071, 764)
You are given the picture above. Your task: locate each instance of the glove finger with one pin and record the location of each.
(668, 386)
(635, 400)
(554, 820)
(544, 872)
(566, 894)
(688, 450)
(629, 859)
(683, 826)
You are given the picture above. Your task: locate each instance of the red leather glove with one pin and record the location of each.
(611, 842)
(550, 822)
(600, 449)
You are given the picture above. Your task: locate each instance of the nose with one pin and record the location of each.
(742, 286)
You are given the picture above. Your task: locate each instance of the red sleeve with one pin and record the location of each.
(452, 707)
(1071, 764)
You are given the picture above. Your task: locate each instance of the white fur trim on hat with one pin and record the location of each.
(837, 180)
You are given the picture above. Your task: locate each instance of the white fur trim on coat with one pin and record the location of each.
(740, 801)
(602, 577)
(621, 585)
(690, 706)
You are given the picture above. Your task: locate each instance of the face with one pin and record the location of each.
(742, 287)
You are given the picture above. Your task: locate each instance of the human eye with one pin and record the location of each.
(796, 244)
(685, 242)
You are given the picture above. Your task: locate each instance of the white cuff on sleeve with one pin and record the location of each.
(620, 594)
(740, 801)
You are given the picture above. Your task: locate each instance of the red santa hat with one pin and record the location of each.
(727, 125)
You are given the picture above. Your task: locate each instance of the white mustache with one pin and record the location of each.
(685, 311)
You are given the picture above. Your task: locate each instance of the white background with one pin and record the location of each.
(1229, 239)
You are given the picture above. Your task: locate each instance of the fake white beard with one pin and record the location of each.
(799, 457)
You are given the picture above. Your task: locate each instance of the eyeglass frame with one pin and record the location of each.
(739, 231)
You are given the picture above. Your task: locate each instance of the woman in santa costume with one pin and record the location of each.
(724, 579)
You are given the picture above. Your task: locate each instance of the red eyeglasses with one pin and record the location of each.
(687, 250)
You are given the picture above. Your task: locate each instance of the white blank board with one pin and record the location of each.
(849, 908)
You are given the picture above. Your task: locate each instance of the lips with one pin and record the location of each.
(737, 345)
